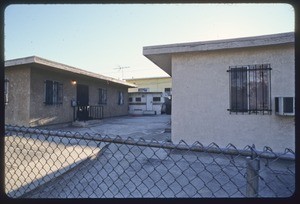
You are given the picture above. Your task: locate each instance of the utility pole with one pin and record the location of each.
(121, 68)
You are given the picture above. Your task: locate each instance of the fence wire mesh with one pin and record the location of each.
(55, 164)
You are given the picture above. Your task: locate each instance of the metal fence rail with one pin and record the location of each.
(55, 164)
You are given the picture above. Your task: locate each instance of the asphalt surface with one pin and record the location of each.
(125, 171)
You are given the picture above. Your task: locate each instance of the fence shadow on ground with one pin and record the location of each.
(128, 168)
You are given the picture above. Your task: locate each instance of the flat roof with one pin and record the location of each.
(161, 54)
(67, 68)
(146, 78)
(145, 92)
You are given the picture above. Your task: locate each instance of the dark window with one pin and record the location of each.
(6, 83)
(130, 99)
(102, 96)
(156, 98)
(121, 98)
(288, 105)
(250, 89)
(168, 91)
(276, 104)
(53, 92)
(138, 99)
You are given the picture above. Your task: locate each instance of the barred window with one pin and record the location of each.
(6, 82)
(102, 96)
(157, 99)
(138, 99)
(250, 89)
(53, 92)
(168, 91)
(121, 98)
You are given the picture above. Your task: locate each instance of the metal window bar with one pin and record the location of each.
(255, 83)
(91, 165)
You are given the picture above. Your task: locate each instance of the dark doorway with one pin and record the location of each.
(82, 102)
(82, 95)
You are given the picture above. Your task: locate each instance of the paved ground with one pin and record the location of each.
(147, 127)
(31, 162)
(120, 170)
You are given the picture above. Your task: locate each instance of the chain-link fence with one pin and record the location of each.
(55, 164)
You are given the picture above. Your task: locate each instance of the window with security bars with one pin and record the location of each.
(53, 92)
(250, 89)
(102, 96)
(6, 82)
(121, 98)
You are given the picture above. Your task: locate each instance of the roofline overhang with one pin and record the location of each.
(63, 67)
(148, 78)
(161, 55)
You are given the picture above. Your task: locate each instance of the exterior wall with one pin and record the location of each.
(154, 84)
(41, 114)
(137, 108)
(202, 78)
(26, 96)
(17, 109)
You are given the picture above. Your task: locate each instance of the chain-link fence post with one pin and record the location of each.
(252, 176)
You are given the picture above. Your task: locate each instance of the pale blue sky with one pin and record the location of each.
(100, 38)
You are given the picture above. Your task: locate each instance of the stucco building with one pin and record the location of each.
(42, 92)
(234, 88)
(150, 95)
(153, 84)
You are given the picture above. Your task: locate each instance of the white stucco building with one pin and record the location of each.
(225, 91)
(145, 103)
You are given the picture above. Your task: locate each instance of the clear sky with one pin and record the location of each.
(101, 38)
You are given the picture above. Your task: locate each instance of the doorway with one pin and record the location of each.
(82, 102)
(149, 102)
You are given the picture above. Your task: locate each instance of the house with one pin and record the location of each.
(239, 91)
(150, 96)
(145, 103)
(153, 84)
(42, 92)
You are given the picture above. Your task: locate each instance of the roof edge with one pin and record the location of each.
(263, 40)
(39, 60)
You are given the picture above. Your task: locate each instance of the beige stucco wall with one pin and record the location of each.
(201, 98)
(154, 84)
(41, 114)
(26, 96)
(16, 111)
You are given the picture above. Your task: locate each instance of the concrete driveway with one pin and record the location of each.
(32, 161)
(146, 127)
(121, 171)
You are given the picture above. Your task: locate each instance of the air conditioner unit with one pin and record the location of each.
(285, 106)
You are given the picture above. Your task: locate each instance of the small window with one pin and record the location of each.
(250, 89)
(156, 99)
(138, 99)
(168, 91)
(102, 96)
(130, 99)
(6, 83)
(53, 92)
(143, 89)
(121, 98)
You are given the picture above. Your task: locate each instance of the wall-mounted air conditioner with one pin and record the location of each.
(285, 106)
